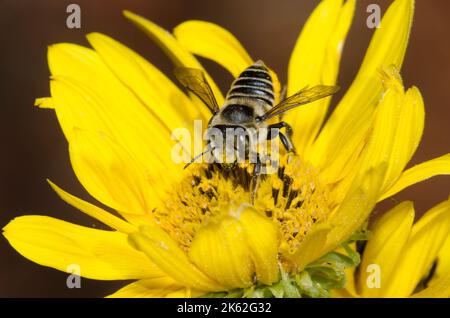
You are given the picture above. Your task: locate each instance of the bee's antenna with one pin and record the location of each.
(198, 156)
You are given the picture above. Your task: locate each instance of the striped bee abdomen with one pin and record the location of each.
(254, 82)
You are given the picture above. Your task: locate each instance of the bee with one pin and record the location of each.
(248, 107)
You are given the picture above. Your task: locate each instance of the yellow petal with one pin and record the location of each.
(408, 132)
(94, 211)
(427, 237)
(262, 238)
(342, 293)
(418, 173)
(439, 285)
(155, 288)
(104, 255)
(351, 119)
(341, 170)
(381, 140)
(356, 207)
(306, 65)
(220, 250)
(180, 293)
(315, 60)
(44, 102)
(213, 42)
(437, 289)
(443, 264)
(389, 236)
(165, 253)
(109, 173)
(148, 288)
(396, 130)
(179, 55)
(311, 247)
(87, 95)
(158, 93)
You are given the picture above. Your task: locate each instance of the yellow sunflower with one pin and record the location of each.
(194, 232)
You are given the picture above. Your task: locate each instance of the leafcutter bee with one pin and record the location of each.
(248, 107)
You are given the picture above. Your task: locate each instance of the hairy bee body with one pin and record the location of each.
(241, 123)
(250, 96)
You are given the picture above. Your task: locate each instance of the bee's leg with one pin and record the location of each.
(287, 143)
(282, 124)
(285, 139)
(255, 178)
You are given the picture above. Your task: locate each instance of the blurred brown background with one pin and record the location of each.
(33, 147)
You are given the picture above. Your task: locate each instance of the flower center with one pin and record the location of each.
(293, 198)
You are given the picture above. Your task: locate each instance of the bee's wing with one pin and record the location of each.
(194, 80)
(304, 96)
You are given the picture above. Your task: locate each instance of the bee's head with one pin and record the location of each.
(230, 140)
(225, 133)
